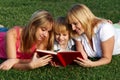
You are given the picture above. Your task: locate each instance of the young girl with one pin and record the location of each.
(18, 45)
(62, 36)
(97, 37)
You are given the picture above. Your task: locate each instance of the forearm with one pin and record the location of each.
(24, 60)
(80, 48)
(107, 50)
(100, 62)
(22, 66)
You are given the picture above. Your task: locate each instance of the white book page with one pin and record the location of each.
(46, 51)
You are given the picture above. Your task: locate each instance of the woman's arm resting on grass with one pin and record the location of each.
(35, 62)
(107, 48)
(10, 50)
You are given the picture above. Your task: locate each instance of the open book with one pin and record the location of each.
(62, 58)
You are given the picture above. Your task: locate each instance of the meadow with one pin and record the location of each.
(18, 12)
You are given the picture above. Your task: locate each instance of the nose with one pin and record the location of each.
(60, 36)
(45, 34)
(73, 27)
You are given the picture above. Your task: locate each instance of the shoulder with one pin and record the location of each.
(103, 27)
(106, 25)
(13, 31)
(105, 30)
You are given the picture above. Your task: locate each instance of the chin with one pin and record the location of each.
(60, 43)
(39, 40)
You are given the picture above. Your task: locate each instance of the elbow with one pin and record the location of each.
(109, 60)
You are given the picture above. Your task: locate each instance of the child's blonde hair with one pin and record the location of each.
(61, 26)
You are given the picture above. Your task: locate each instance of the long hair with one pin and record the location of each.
(38, 19)
(86, 18)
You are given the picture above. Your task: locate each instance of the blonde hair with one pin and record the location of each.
(83, 14)
(39, 19)
(61, 26)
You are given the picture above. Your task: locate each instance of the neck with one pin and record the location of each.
(63, 46)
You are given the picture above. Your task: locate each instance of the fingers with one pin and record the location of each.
(46, 56)
(52, 63)
(3, 67)
(110, 21)
(80, 61)
(45, 59)
(35, 55)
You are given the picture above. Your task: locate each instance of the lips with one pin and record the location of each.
(40, 38)
(61, 41)
(78, 31)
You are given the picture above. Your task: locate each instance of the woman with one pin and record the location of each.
(18, 45)
(97, 37)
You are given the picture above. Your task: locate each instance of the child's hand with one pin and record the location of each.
(8, 64)
(110, 21)
(54, 64)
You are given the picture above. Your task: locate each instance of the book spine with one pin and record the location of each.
(61, 60)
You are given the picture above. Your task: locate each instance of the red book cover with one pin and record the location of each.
(62, 58)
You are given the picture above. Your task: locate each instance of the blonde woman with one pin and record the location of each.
(96, 36)
(18, 44)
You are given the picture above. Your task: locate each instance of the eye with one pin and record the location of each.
(57, 34)
(64, 34)
(75, 23)
(43, 29)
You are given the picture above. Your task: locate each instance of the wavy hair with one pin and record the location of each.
(38, 19)
(84, 15)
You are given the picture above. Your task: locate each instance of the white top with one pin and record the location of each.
(103, 32)
(70, 45)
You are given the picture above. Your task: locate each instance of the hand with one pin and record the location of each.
(83, 62)
(54, 64)
(8, 64)
(39, 62)
(110, 21)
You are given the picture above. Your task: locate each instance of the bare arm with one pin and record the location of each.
(107, 48)
(11, 37)
(10, 50)
(35, 62)
(13, 62)
(80, 48)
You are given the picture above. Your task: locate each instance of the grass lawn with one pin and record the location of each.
(18, 12)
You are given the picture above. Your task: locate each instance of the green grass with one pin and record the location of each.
(18, 12)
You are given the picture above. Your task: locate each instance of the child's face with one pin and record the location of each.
(62, 38)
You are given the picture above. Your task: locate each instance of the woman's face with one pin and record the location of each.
(76, 26)
(62, 38)
(43, 32)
